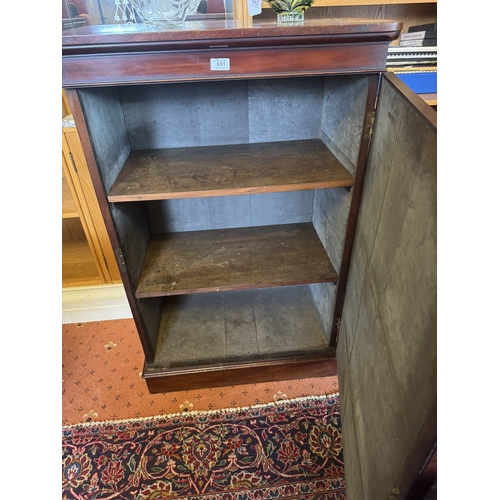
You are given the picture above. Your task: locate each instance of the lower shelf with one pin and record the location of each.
(230, 338)
(78, 265)
(233, 259)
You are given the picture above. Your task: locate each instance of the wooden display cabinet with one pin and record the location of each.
(230, 196)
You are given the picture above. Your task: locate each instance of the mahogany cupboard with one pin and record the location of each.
(229, 164)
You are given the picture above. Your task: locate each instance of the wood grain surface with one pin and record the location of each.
(228, 170)
(233, 259)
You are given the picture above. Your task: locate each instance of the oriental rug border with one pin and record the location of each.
(289, 449)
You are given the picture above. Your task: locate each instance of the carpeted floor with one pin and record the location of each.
(102, 364)
(279, 440)
(284, 450)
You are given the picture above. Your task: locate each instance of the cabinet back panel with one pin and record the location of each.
(107, 131)
(276, 114)
(235, 112)
(218, 212)
(187, 114)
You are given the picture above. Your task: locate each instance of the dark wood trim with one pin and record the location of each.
(102, 38)
(357, 192)
(251, 62)
(103, 55)
(160, 380)
(230, 43)
(420, 469)
(426, 479)
(81, 126)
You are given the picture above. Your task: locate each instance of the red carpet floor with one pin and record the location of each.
(101, 373)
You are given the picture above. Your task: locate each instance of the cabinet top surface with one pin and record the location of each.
(127, 54)
(222, 29)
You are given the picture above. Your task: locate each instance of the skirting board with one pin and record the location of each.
(94, 303)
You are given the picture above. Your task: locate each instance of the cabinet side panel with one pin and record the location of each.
(330, 210)
(107, 131)
(343, 111)
(218, 212)
(342, 119)
(392, 363)
(150, 311)
(132, 228)
(323, 296)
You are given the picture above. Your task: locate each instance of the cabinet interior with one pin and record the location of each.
(230, 200)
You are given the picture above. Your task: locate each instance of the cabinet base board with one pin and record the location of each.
(271, 371)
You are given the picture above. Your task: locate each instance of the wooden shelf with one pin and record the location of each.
(209, 329)
(228, 170)
(430, 99)
(78, 264)
(69, 209)
(233, 259)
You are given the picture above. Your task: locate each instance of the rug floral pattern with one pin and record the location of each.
(284, 450)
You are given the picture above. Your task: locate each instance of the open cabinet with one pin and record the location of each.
(231, 195)
(269, 194)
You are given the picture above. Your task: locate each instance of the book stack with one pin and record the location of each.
(424, 35)
(414, 61)
(411, 58)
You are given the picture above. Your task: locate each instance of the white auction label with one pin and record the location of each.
(221, 64)
(254, 7)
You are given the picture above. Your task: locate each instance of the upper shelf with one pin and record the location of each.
(228, 170)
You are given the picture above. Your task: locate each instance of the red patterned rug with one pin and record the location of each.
(285, 450)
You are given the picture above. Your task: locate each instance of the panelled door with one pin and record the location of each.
(387, 342)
